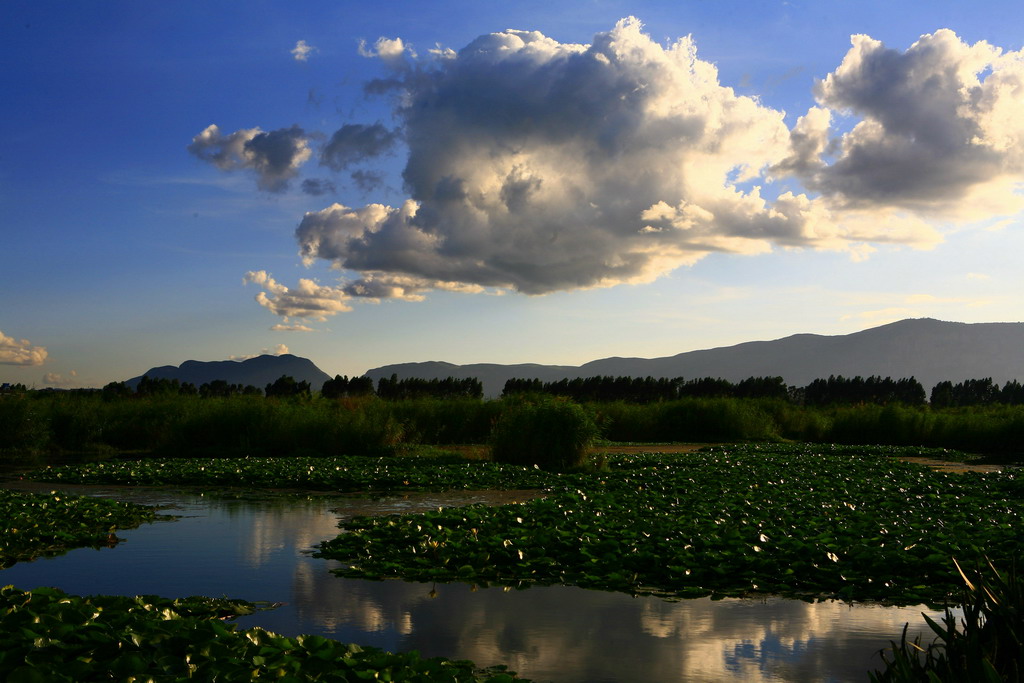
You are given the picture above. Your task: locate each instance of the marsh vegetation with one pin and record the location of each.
(807, 520)
(177, 425)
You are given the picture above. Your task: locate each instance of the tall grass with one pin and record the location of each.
(689, 419)
(187, 425)
(24, 424)
(190, 426)
(715, 419)
(976, 429)
(251, 425)
(446, 421)
(986, 644)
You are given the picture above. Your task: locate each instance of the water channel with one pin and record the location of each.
(259, 550)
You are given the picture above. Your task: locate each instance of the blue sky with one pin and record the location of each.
(475, 181)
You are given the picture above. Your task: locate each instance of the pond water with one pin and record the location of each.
(259, 550)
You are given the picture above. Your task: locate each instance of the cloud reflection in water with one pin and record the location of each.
(260, 551)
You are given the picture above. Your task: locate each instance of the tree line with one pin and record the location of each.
(835, 390)
(341, 386)
(394, 389)
(976, 392)
(604, 389)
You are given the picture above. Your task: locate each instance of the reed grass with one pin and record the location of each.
(552, 433)
(42, 423)
(985, 644)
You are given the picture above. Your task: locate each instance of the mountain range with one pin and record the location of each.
(929, 350)
(259, 371)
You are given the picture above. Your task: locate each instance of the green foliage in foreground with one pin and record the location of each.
(342, 473)
(37, 525)
(806, 521)
(51, 636)
(986, 645)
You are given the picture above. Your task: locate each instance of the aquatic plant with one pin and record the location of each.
(38, 525)
(798, 520)
(341, 473)
(841, 521)
(986, 643)
(50, 636)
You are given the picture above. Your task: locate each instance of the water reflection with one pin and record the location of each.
(568, 634)
(259, 551)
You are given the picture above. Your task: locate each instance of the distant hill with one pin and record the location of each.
(930, 350)
(259, 371)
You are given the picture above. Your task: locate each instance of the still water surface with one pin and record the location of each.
(259, 550)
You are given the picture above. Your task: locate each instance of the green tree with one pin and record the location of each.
(115, 390)
(286, 386)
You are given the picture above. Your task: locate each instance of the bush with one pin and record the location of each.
(553, 433)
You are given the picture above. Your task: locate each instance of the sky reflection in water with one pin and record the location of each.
(258, 551)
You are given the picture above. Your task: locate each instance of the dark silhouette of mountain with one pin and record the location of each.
(930, 350)
(259, 371)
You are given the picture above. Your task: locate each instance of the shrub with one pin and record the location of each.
(551, 432)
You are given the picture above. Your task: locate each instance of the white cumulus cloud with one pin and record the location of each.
(302, 50)
(391, 51)
(274, 156)
(20, 352)
(296, 327)
(53, 379)
(536, 166)
(278, 350)
(308, 300)
(940, 130)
